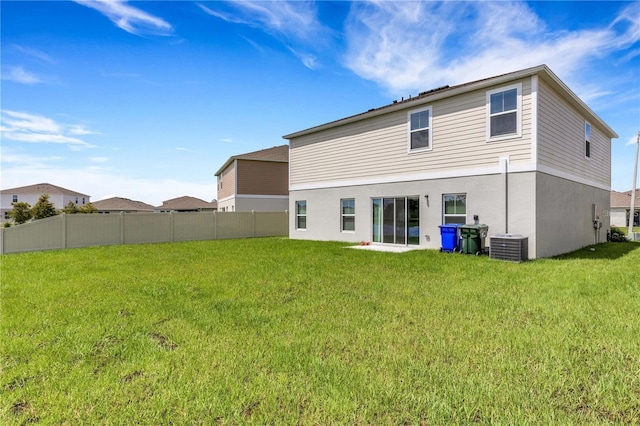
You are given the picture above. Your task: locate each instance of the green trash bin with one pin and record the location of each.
(473, 238)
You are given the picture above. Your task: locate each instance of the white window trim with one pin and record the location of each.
(453, 214)
(518, 133)
(343, 215)
(430, 128)
(589, 139)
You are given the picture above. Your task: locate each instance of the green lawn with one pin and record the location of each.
(276, 331)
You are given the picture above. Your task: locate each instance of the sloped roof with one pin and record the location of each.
(42, 188)
(187, 203)
(424, 98)
(278, 154)
(122, 204)
(623, 199)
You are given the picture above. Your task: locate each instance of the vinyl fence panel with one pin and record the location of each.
(83, 230)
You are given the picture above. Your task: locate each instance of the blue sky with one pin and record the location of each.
(146, 100)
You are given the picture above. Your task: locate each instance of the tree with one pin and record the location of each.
(88, 208)
(70, 208)
(20, 213)
(43, 208)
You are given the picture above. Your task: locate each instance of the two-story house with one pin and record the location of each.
(58, 196)
(521, 151)
(256, 180)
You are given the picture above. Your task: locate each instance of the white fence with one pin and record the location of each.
(84, 230)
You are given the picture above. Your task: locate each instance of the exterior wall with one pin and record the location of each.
(618, 216)
(227, 182)
(377, 148)
(564, 215)
(259, 203)
(487, 197)
(262, 177)
(561, 142)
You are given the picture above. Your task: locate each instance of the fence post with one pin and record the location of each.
(171, 226)
(64, 230)
(215, 225)
(253, 223)
(121, 227)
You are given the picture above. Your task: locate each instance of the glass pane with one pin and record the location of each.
(420, 120)
(301, 207)
(587, 132)
(388, 212)
(449, 204)
(461, 220)
(504, 124)
(348, 206)
(302, 222)
(376, 235)
(420, 139)
(348, 223)
(510, 100)
(496, 103)
(461, 204)
(414, 220)
(401, 220)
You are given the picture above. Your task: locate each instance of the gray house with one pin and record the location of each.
(521, 151)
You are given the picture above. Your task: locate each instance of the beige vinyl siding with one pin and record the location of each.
(378, 146)
(262, 177)
(228, 180)
(561, 139)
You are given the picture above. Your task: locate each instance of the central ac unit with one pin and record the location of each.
(513, 247)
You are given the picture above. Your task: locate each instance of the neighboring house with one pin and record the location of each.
(58, 196)
(620, 206)
(124, 205)
(187, 204)
(521, 151)
(255, 181)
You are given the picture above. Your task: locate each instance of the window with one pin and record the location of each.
(587, 140)
(420, 129)
(15, 199)
(348, 214)
(454, 209)
(301, 215)
(503, 106)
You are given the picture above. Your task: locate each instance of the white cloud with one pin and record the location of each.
(19, 75)
(413, 46)
(632, 140)
(130, 19)
(30, 128)
(34, 53)
(293, 22)
(98, 159)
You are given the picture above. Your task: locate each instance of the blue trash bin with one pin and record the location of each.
(449, 237)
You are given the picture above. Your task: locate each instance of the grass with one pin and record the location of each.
(276, 331)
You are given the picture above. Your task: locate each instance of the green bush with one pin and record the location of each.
(617, 235)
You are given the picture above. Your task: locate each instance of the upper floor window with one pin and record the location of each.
(301, 215)
(454, 209)
(587, 140)
(348, 214)
(15, 199)
(504, 112)
(420, 129)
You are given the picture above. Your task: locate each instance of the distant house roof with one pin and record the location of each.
(187, 203)
(42, 188)
(623, 199)
(118, 204)
(278, 154)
